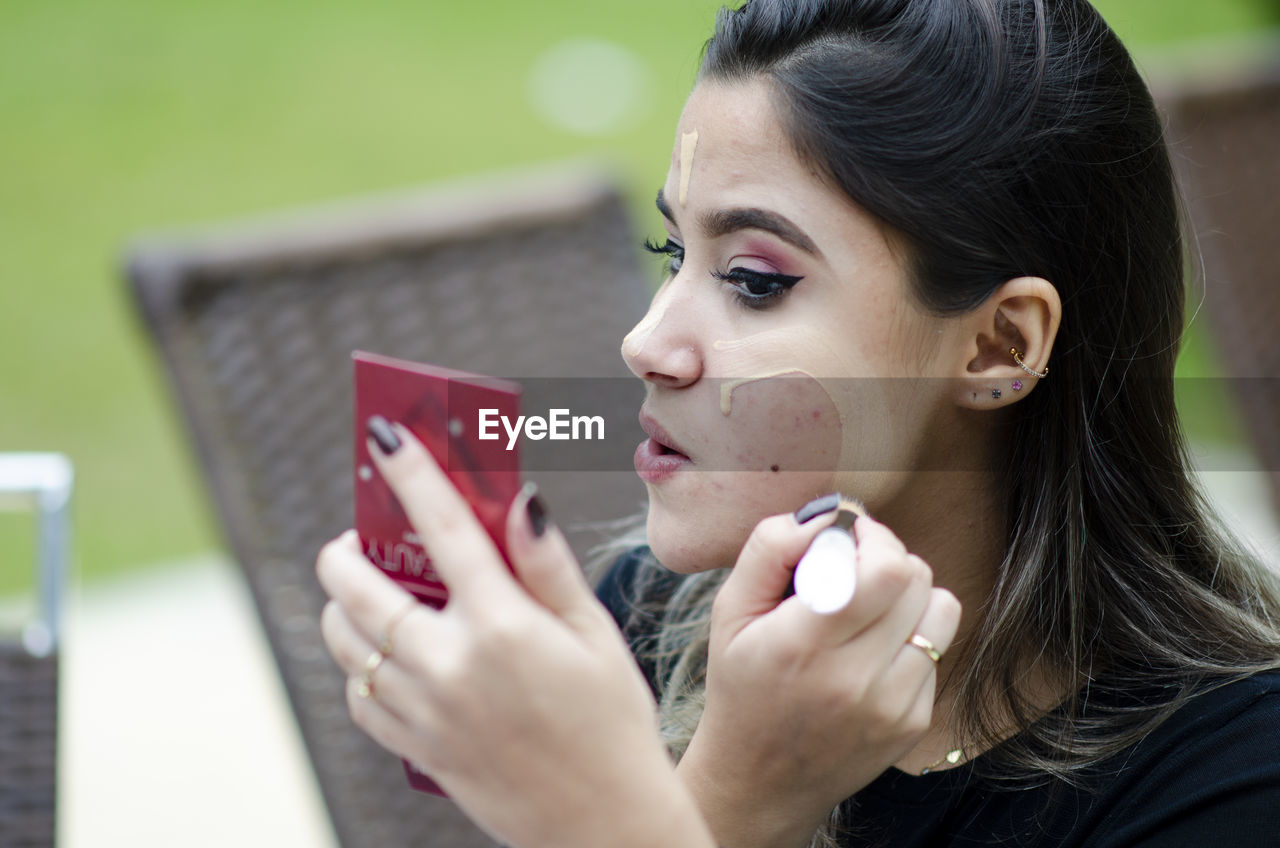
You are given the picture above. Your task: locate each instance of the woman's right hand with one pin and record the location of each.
(804, 709)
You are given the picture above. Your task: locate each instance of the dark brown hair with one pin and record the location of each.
(1003, 138)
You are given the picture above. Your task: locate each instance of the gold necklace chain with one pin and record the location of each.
(951, 758)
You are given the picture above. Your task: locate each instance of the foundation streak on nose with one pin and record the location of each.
(634, 342)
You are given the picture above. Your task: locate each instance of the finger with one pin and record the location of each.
(461, 551)
(544, 563)
(370, 599)
(349, 647)
(885, 636)
(388, 730)
(913, 670)
(883, 573)
(360, 660)
(762, 575)
(866, 530)
(937, 627)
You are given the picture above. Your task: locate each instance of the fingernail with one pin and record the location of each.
(536, 510)
(380, 431)
(817, 506)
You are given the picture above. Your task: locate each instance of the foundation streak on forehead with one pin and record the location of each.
(688, 145)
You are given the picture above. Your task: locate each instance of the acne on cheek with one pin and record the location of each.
(785, 423)
(829, 406)
(799, 423)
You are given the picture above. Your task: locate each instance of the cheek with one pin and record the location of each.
(706, 526)
(784, 423)
(775, 451)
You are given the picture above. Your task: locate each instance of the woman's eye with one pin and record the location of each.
(672, 251)
(757, 289)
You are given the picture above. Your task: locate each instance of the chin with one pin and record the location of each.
(692, 541)
(704, 527)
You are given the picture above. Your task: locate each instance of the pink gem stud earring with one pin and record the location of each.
(1017, 385)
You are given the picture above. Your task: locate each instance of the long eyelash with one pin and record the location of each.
(778, 284)
(672, 251)
(653, 247)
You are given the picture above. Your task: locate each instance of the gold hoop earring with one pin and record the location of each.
(1017, 357)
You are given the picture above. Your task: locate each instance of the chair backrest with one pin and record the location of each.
(39, 483)
(1225, 134)
(520, 277)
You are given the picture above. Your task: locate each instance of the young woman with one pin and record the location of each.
(925, 253)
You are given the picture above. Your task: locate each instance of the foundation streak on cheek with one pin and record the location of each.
(688, 145)
(786, 422)
(756, 357)
(727, 387)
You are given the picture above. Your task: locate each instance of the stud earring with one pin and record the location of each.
(1017, 385)
(995, 393)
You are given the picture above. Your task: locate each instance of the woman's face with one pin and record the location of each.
(778, 358)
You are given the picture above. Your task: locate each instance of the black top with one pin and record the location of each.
(1208, 776)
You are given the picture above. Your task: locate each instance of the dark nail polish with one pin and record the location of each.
(817, 506)
(380, 430)
(537, 512)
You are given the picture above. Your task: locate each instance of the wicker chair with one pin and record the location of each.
(42, 484)
(534, 276)
(1224, 112)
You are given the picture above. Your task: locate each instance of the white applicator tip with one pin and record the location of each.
(825, 576)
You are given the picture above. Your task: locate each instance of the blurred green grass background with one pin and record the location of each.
(135, 115)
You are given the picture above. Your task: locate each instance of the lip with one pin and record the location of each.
(659, 433)
(652, 463)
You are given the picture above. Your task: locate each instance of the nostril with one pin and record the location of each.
(664, 379)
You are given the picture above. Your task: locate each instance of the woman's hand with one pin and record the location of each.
(805, 709)
(520, 697)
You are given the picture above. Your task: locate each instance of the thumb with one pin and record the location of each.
(543, 561)
(762, 575)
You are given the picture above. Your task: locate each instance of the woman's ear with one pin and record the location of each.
(1022, 315)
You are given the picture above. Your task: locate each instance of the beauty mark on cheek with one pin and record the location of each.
(688, 144)
(786, 422)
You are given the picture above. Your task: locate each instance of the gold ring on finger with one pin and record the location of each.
(364, 683)
(925, 645)
(384, 638)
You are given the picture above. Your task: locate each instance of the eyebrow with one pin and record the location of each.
(721, 222)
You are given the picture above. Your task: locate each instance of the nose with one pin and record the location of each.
(663, 348)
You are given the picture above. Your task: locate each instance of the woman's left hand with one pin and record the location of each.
(520, 697)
